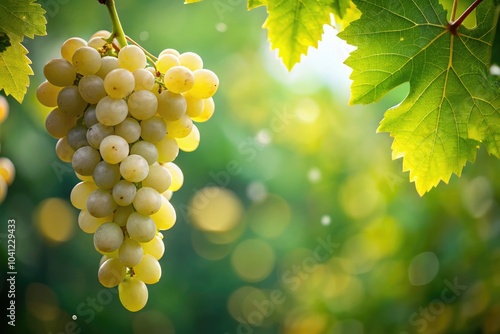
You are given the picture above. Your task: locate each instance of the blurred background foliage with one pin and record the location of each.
(292, 219)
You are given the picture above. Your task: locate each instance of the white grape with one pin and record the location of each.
(129, 129)
(147, 201)
(124, 192)
(101, 204)
(114, 149)
(119, 83)
(142, 104)
(148, 269)
(133, 294)
(108, 237)
(140, 227)
(111, 273)
(86, 60)
(153, 129)
(130, 253)
(132, 58)
(111, 111)
(179, 79)
(134, 168)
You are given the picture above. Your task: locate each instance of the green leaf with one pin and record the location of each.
(15, 70)
(256, 3)
(4, 41)
(18, 18)
(453, 101)
(339, 7)
(295, 25)
(22, 18)
(191, 1)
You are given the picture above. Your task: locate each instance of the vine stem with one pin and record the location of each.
(453, 26)
(115, 20)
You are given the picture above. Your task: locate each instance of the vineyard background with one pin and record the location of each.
(306, 171)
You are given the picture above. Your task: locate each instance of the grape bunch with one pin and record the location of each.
(121, 122)
(7, 169)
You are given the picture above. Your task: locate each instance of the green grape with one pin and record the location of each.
(111, 273)
(114, 149)
(144, 79)
(108, 237)
(58, 123)
(106, 175)
(89, 116)
(89, 223)
(124, 192)
(153, 129)
(168, 149)
(111, 111)
(119, 83)
(47, 94)
(194, 105)
(208, 111)
(130, 253)
(132, 58)
(180, 128)
(171, 106)
(205, 85)
(177, 176)
(148, 269)
(63, 150)
(101, 204)
(169, 52)
(85, 159)
(142, 104)
(133, 294)
(91, 89)
(129, 129)
(70, 46)
(141, 228)
(179, 79)
(59, 72)
(155, 247)
(191, 60)
(159, 178)
(191, 141)
(146, 150)
(86, 60)
(77, 137)
(147, 201)
(122, 213)
(80, 193)
(70, 101)
(166, 62)
(134, 168)
(165, 218)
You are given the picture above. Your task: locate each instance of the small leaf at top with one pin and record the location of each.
(15, 70)
(22, 18)
(4, 41)
(295, 25)
(256, 3)
(453, 103)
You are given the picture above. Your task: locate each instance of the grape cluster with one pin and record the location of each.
(7, 169)
(121, 123)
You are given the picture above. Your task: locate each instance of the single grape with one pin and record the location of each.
(85, 159)
(205, 85)
(114, 149)
(147, 201)
(166, 62)
(208, 111)
(129, 129)
(58, 123)
(111, 273)
(165, 218)
(153, 129)
(148, 269)
(141, 228)
(63, 150)
(194, 105)
(132, 58)
(169, 51)
(70, 101)
(133, 294)
(77, 137)
(108, 64)
(180, 128)
(146, 150)
(46, 94)
(159, 178)
(111, 111)
(101, 204)
(89, 116)
(142, 104)
(106, 175)
(119, 83)
(177, 176)
(91, 88)
(191, 60)
(155, 247)
(171, 106)
(97, 132)
(89, 223)
(70, 46)
(59, 72)
(130, 253)
(122, 213)
(179, 79)
(108, 237)
(134, 168)
(144, 79)
(191, 141)
(168, 149)
(124, 192)
(86, 60)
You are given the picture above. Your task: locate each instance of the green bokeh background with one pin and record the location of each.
(311, 168)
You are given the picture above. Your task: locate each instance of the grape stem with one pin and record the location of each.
(115, 20)
(454, 25)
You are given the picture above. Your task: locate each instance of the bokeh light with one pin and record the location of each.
(55, 220)
(253, 260)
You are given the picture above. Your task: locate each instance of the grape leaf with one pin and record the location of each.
(453, 103)
(191, 1)
(18, 19)
(256, 3)
(4, 41)
(339, 7)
